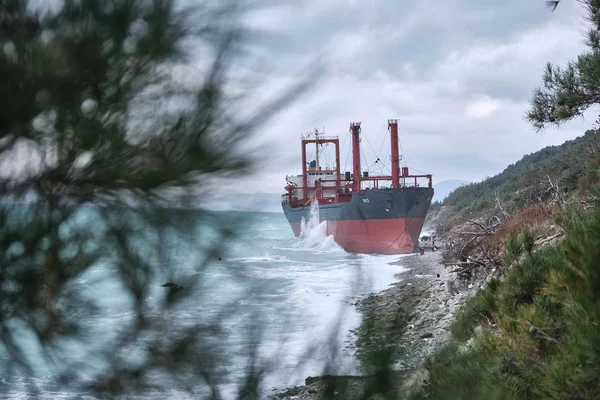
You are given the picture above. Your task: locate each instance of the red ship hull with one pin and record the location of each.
(381, 236)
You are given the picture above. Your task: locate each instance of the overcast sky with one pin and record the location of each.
(456, 74)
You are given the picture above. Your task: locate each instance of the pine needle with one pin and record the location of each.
(552, 4)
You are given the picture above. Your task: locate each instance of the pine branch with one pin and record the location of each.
(552, 4)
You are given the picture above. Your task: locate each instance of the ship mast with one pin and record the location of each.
(317, 147)
(355, 128)
(326, 187)
(393, 127)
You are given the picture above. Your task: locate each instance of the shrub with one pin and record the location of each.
(540, 325)
(480, 309)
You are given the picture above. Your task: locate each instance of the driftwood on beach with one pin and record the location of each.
(473, 247)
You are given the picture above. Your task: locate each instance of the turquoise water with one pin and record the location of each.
(287, 298)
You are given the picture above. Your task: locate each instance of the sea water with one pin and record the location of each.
(288, 299)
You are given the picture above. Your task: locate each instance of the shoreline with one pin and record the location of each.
(407, 322)
(415, 306)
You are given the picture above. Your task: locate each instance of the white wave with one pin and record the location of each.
(313, 220)
(381, 259)
(314, 236)
(261, 259)
(370, 275)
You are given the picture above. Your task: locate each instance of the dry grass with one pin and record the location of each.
(484, 242)
(538, 218)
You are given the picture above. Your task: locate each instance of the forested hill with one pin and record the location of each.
(569, 167)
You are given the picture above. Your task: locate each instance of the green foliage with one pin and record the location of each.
(526, 278)
(99, 136)
(539, 326)
(512, 250)
(528, 241)
(516, 245)
(435, 205)
(568, 91)
(480, 309)
(470, 373)
(526, 181)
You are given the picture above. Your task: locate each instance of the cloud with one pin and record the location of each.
(482, 107)
(457, 75)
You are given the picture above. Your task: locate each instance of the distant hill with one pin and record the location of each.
(572, 166)
(442, 189)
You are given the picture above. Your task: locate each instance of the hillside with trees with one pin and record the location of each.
(565, 171)
(529, 237)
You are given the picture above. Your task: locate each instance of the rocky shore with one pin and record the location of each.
(423, 301)
(405, 323)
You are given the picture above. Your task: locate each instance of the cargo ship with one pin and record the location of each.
(364, 213)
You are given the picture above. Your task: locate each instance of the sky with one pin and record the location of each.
(457, 75)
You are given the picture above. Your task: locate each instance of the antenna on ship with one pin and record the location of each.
(317, 147)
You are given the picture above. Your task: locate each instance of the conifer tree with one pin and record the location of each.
(95, 119)
(567, 92)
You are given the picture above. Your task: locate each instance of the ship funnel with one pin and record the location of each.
(393, 127)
